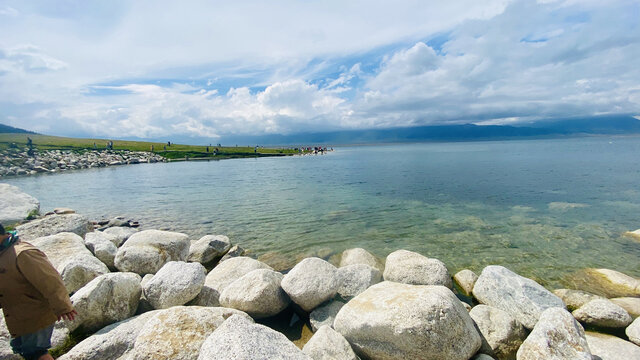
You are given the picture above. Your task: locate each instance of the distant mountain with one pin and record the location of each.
(603, 125)
(11, 129)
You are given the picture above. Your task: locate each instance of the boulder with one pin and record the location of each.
(603, 313)
(354, 279)
(176, 283)
(325, 314)
(120, 233)
(54, 224)
(400, 321)
(241, 338)
(502, 335)
(178, 333)
(68, 254)
(575, 298)
(633, 234)
(361, 256)
(5, 348)
(258, 293)
(609, 347)
(465, 279)
(633, 332)
(311, 282)
(608, 283)
(147, 251)
(63, 211)
(15, 205)
(234, 251)
(107, 299)
(556, 336)
(409, 267)
(208, 248)
(523, 298)
(224, 274)
(328, 344)
(631, 304)
(102, 246)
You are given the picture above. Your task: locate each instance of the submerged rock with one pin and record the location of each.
(523, 298)
(176, 283)
(15, 205)
(400, 321)
(328, 344)
(502, 334)
(147, 251)
(606, 282)
(257, 293)
(603, 313)
(409, 267)
(311, 282)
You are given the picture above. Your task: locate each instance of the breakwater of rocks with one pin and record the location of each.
(173, 297)
(19, 162)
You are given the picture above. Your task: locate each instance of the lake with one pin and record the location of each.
(543, 208)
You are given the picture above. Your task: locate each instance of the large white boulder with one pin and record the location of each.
(631, 304)
(609, 347)
(102, 246)
(5, 348)
(176, 283)
(54, 224)
(523, 298)
(68, 254)
(208, 248)
(409, 267)
(610, 283)
(328, 344)
(556, 336)
(15, 205)
(401, 321)
(603, 313)
(145, 252)
(325, 314)
(361, 256)
(257, 293)
(120, 234)
(633, 332)
(178, 333)
(224, 274)
(502, 334)
(354, 279)
(107, 299)
(113, 342)
(311, 282)
(240, 338)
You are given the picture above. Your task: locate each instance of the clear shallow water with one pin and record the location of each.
(543, 208)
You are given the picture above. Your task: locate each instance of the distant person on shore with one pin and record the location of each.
(32, 296)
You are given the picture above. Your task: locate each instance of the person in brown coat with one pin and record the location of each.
(32, 297)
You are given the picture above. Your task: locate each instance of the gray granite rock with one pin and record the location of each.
(311, 282)
(575, 298)
(465, 279)
(54, 224)
(5, 348)
(68, 254)
(523, 298)
(235, 251)
(107, 299)
(501, 333)
(361, 256)
(633, 332)
(240, 338)
(147, 251)
(556, 336)
(401, 321)
(120, 234)
(257, 293)
(609, 347)
(354, 279)
(179, 332)
(631, 304)
(328, 344)
(102, 246)
(409, 267)
(603, 313)
(176, 283)
(610, 283)
(224, 274)
(208, 248)
(325, 314)
(15, 205)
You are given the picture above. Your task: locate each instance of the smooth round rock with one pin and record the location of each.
(465, 279)
(258, 293)
(575, 298)
(603, 313)
(401, 321)
(102, 246)
(311, 282)
(208, 248)
(120, 234)
(54, 224)
(354, 279)
(15, 205)
(631, 304)
(633, 332)
(609, 347)
(147, 251)
(608, 283)
(328, 344)
(556, 336)
(361, 256)
(502, 333)
(176, 283)
(409, 267)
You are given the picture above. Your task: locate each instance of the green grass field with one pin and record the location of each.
(175, 151)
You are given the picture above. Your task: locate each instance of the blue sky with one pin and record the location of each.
(154, 69)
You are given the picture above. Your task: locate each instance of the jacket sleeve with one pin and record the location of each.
(36, 268)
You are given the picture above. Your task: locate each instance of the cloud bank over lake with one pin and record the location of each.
(154, 69)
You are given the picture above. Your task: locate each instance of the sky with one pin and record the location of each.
(156, 69)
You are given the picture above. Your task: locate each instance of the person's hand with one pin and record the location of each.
(68, 316)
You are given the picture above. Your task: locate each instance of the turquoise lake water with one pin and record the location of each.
(544, 208)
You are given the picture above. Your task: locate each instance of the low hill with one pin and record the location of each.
(13, 130)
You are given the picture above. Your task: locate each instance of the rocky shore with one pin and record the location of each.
(18, 162)
(151, 294)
